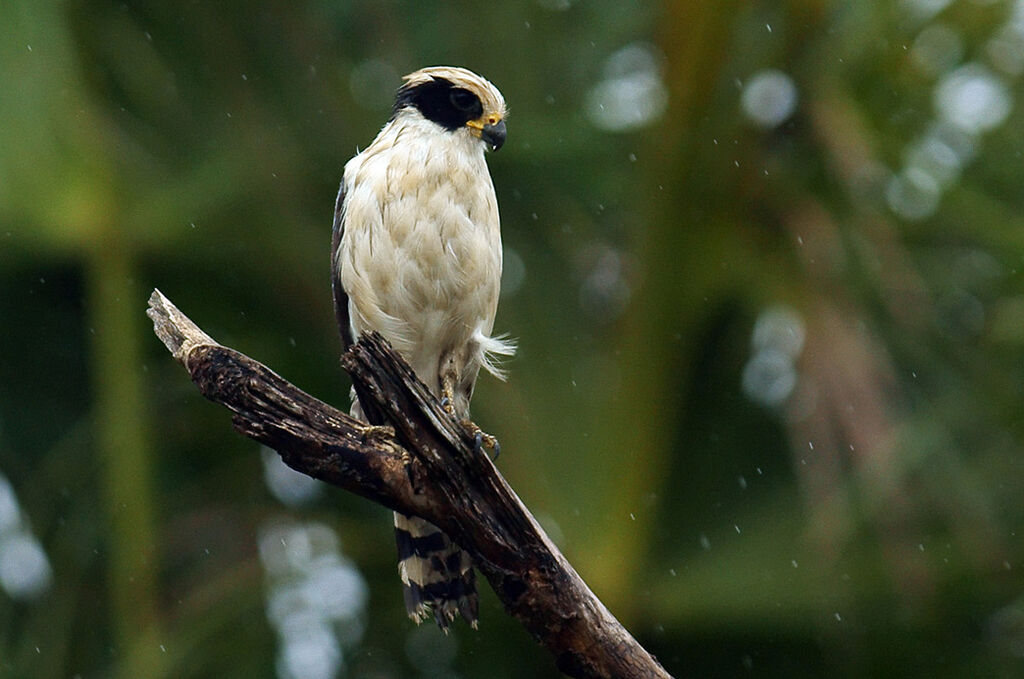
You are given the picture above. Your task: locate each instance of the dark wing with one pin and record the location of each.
(340, 298)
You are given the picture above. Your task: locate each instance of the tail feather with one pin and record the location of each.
(437, 575)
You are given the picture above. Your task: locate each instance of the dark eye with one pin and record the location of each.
(463, 100)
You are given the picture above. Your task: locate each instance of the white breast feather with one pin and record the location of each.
(420, 257)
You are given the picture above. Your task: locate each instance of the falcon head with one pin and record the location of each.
(458, 100)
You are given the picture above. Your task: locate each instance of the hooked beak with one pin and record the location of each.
(494, 135)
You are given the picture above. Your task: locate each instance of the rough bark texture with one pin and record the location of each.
(429, 468)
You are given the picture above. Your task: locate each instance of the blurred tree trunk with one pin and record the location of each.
(125, 453)
(678, 259)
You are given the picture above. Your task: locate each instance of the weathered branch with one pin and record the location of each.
(429, 468)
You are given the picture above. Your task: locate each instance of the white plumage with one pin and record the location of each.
(417, 257)
(420, 257)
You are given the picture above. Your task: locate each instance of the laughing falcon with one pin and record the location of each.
(416, 256)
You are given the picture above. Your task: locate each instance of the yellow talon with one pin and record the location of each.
(482, 439)
(447, 400)
(377, 431)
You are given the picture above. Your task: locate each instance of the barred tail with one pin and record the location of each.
(437, 575)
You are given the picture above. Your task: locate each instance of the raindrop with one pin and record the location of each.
(1006, 51)
(913, 194)
(935, 158)
(314, 654)
(10, 513)
(961, 142)
(769, 378)
(769, 98)
(705, 543)
(780, 328)
(25, 571)
(314, 600)
(973, 98)
(290, 487)
(604, 292)
(335, 589)
(632, 93)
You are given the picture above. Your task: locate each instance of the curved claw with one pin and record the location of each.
(482, 440)
(373, 432)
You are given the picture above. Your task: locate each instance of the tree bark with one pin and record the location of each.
(427, 467)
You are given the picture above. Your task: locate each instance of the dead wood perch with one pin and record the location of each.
(429, 469)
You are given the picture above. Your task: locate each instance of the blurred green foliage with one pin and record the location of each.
(836, 181)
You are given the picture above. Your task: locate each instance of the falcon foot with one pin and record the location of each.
(448, 395)
(482, 440)
(377, 432)
(446, 403)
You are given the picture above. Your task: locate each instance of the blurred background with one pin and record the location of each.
(763, 260)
